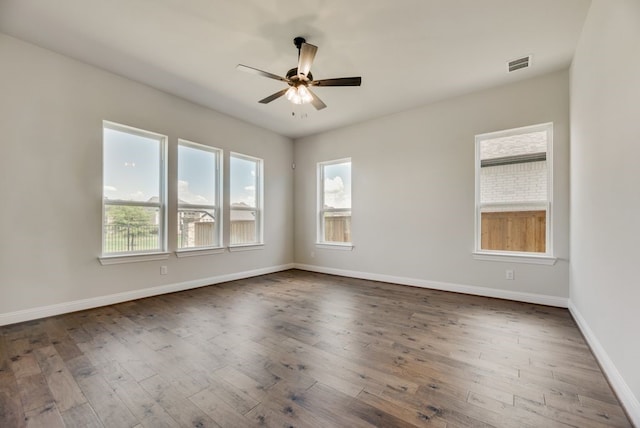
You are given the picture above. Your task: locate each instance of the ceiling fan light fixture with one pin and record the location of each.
(292, 95)
(304, 94)
(298, 95)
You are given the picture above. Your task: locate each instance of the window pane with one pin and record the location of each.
(131, 228)
(512, 183)
(337, 185)
(243, 181)
(337, 226)
(335, 201)
(133, 190)
(246, 206)
(514, 168)
(196, 176)
(513, 199)
(514, 145)
(131, 167)
(197, 185)
(511, 230)
(197, 228)
(243, 227)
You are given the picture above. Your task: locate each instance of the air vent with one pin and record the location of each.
(519, 63)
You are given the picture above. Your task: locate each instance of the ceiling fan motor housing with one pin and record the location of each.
(292, 75)
(298, 41)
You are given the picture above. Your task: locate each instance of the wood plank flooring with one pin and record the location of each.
(299, 349)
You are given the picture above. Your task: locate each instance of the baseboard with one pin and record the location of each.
(625, 395)
(95, 302)
(540, 299)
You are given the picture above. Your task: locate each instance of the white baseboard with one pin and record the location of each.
(625, 395)
(95, 302)
(541, 299)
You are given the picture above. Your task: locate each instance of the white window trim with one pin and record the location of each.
(130, 257)
(245, 247)
(218, 215)
(199, 251)
(259, 208)
(505, 256)
(335, 246)
(546, 258)
(320, 242)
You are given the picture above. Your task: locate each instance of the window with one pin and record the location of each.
(334, 202)
(513, 191)
(199, 182)
(245, 182)
(134, 191)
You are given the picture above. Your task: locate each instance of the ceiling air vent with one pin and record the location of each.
(519, 63)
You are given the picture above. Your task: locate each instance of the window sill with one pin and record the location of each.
(132, 258)
(192, 252)
(246, 247)
(515, 258)
(335, 246)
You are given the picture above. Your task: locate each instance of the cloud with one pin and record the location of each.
(183, 186)
(335, 195)
(138, 196)
(334, 185)
(185, 194)
(110, 189)
(250, 188)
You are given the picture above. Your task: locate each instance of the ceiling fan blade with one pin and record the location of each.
(316, 102)
(342, 81)
(273, 96)
(307, 54)
(260, 72)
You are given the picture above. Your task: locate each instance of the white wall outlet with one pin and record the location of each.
(509, 274)
(313, 254)
(163, 270)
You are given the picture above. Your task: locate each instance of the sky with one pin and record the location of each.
(243, 181)
(132, 171)
(337, 185)
(131, 166)
(196, 176)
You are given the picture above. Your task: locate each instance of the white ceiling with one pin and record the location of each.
(408, 52)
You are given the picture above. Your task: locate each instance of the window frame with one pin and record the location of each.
(217, 207)
(320, 212)
(161, 205)
(515, 256)
(259, 205)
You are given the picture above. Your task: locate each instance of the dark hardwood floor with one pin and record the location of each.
(298, 349)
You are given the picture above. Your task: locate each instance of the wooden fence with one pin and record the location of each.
(203, 234)
(337, 229)
(514, 231)
(243, 232)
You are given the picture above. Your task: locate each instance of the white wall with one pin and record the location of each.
(413, 189)
(51, 112)
(605, 193)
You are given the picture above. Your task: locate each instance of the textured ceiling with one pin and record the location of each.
(408, 52)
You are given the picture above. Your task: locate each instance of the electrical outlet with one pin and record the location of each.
(313, 254)
(509, 274)
(163, 270)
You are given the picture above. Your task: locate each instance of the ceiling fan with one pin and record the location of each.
(300, 78)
